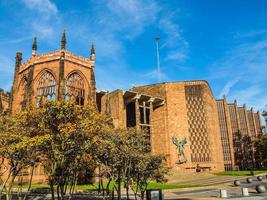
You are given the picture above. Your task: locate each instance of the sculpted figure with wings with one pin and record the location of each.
(180, 145)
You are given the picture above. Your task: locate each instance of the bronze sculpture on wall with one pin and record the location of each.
(180, 145)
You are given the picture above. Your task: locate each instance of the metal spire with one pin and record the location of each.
(63, 40)
(93, 49)
(158, 60)
(34, 45)
(92, 55)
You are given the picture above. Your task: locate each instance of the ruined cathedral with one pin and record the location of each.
(182, 120)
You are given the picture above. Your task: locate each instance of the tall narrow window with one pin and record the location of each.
(145, 124)
(46, 88)
(75, 88)
(130, 114)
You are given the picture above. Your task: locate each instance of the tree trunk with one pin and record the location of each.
(58, 194)
(142, 194)
(112, 194)
(107, 188)
(20, 179)
(75, 184)
(61, 187)
(103, 189)
(9, 191)
(4, 184)
(119, 185)
(135, 196)
(71, 185)
(52, 190)
(127, 192)
(136, 190)
(99, 179)
(30, 184)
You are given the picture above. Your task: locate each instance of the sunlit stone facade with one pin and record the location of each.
(239, 127)
(4, 101)
(58, 75)
(171, 114)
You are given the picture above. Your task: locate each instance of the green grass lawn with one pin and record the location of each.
(240, 173)
(153, 185)
(166, 186)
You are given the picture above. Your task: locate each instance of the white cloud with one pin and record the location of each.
(43, 30)
(14, 40)
(154, 75)
(42, 17)
(6, 71)
(122, 21)
(45, 7)
(228, 86)
(113, 23)
(172, 31)
(110, 24)
(251, 33)
(6, 64)
(245, 60)
(109, 47)
(176, 55)
(129, 18)
(245, 66)
(253, 96)
(248, 93)
(173, 42)
(134, 12)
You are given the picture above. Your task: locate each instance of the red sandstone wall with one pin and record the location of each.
(113, 104)
(33, 68)
(171, 119)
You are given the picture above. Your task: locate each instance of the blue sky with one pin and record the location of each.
(223, 42)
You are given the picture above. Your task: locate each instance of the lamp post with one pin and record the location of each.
(158, 60)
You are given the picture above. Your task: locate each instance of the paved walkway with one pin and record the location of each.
(216, 180)
(203, 178)
(212, 190)
(209, 190)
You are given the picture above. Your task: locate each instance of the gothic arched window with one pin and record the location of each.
(46, 87)
(75, 88)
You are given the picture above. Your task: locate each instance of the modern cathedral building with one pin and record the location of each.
(182, 120)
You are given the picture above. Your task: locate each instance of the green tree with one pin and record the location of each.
(20, 147)
(125, 161)
(147, 168)
(67, 139)
(72, 130)
(261, 150)
(58, 135)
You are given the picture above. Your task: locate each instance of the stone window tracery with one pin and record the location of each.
(75, 88)
(46, 88)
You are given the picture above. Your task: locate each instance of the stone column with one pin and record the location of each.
(137, 112)
(92, 95)
(254, 123)
(151, 100)
(61, 81)
(29, 87)
(229, 131)
(15, 80)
